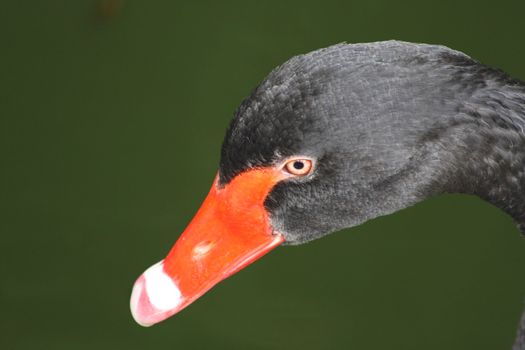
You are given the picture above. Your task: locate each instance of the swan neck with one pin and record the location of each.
(496, 157)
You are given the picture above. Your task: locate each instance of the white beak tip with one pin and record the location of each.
(155, 296)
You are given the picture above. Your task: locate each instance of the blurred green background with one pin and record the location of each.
(112, 114)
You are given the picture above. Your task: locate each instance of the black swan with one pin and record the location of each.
(339, 136)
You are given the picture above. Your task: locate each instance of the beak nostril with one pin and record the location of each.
(202, 249)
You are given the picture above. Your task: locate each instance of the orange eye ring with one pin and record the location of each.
(298, 166)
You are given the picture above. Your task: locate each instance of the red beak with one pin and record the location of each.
(230, 231)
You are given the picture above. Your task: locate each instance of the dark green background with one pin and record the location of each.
(110, 133)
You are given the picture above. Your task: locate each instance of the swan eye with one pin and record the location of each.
(299, 167)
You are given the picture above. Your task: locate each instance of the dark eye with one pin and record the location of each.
(299, 167)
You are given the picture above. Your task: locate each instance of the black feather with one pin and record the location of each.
(390, 124)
